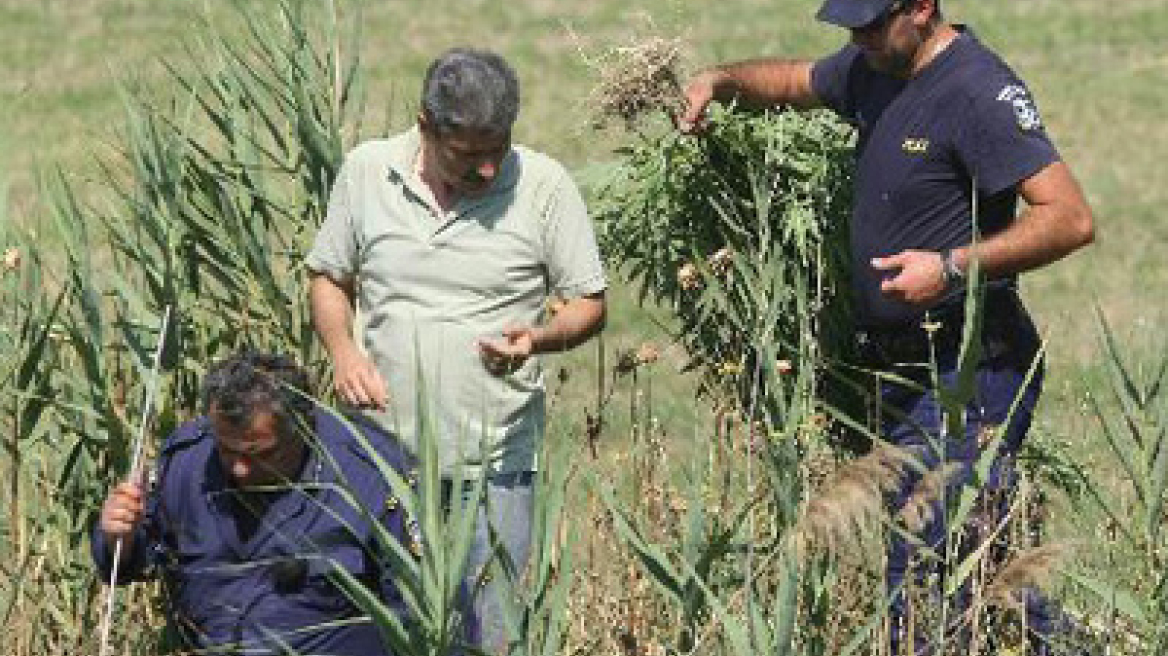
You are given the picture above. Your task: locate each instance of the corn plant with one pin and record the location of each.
(26, 378)
(719, 560)
(535, 595)
(431, 575)
(228, 182)
(428, 569)
(47, 592)
(26, 366)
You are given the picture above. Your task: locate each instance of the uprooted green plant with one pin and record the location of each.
(741, 233)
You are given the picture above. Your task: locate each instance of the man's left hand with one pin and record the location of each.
(506, 354)
(914, 277)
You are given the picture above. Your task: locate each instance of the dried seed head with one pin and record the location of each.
(820, 465)
(784, 366)
(729, 368)
(636, 80)
(720, 261)
(11, 259)
(647, 354)
(1027, 569)
(987, 435)
(923, 504)
(688, 277)
(853, 497)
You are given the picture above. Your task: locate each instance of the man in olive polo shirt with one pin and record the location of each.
(450, 240)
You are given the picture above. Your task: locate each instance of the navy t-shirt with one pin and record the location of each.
(924, 144)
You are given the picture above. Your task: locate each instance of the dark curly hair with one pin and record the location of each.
(251, 382)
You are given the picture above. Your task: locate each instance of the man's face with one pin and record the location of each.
(256, 454)
(467, 161)
(891, 42)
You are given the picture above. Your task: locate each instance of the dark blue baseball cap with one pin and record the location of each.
(852, 14)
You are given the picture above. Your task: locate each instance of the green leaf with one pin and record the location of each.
(1113, 597)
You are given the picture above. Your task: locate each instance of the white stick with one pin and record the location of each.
(135, 475)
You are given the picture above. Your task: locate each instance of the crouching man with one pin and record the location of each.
(255, 503)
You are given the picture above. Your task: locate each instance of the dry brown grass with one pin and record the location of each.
(851, 500)
(637, 80)
(921, 506)
(1031, 568)
(615, 608)
(51, 604)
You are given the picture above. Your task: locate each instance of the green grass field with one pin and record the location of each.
(1099, 71)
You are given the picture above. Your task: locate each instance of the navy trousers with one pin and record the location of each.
(912, 418)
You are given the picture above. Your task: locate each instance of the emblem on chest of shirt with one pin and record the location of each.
(915, 145)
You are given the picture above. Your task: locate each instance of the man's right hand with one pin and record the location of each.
(121, 513)
(699, 93)
(754, 84)
(357, 381)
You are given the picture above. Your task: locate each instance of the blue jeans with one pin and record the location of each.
(912, 419)
(508, 508)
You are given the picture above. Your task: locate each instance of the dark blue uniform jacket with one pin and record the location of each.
(241, 584)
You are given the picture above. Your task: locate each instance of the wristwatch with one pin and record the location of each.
(950, 272)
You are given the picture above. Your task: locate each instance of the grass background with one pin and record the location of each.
(1099, 71)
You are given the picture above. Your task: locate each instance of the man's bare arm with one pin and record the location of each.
(757, 83)
(573, 324)
(1057, 222)
(577, 321)
(355, 378)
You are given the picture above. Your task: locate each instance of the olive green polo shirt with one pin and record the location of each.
(431, 284)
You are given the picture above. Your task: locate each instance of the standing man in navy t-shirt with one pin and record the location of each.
(945, 129)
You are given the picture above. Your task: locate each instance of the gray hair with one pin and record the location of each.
(469, 89)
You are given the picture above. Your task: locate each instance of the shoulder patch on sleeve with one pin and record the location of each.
(1023, 105)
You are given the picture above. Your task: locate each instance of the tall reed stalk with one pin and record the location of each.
(208, 207)
(1126, 606)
